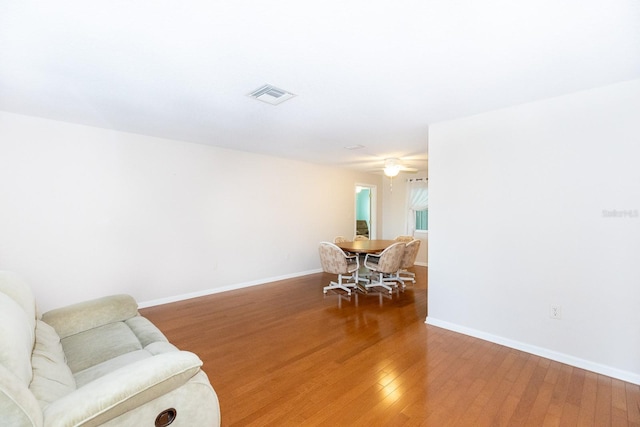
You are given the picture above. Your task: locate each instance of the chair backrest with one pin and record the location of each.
(332, 258)
(410, 254)
(360, 237)
(391, 258)
(405, 239)
(340, 239)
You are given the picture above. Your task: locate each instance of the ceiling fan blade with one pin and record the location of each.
(405, 169)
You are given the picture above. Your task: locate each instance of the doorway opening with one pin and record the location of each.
(365, 212)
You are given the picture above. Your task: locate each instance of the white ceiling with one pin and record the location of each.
(368, 72)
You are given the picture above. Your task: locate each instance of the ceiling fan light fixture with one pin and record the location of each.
(391, 171)
(391, 168)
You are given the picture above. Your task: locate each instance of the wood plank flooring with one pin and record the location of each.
(284, 354)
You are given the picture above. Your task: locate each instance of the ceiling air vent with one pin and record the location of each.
(271, 94)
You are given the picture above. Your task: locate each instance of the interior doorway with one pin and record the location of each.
(365, 212)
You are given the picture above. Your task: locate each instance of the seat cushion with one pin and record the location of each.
(94, 372)
(101, 369)
(97, 345)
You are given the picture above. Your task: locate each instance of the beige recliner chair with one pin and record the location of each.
(94, 363)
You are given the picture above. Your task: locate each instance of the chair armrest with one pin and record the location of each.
(91, 314)
(375, 258)
(123, 390)
(352, 257)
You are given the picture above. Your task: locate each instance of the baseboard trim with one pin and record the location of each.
(233, 287)
(539, 351)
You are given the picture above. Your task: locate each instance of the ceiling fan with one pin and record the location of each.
(393, 166)
(390, 164)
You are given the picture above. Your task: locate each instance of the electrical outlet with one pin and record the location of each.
(555, 312)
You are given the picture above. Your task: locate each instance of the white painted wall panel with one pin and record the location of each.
(517, 198)
(87, 212)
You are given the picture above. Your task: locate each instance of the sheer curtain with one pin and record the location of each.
(417, 200)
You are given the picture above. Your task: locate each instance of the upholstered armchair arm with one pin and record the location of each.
(123, 390)
(91, 314)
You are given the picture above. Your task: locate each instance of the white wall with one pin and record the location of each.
(87, 212)
(394, 213)
(516, 225)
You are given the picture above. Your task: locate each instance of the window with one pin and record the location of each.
(417, 205)
(422, 220)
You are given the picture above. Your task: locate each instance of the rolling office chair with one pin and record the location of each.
(335, 261)
(408, 260)
(386, 263)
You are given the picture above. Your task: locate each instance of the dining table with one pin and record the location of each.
(366, 246)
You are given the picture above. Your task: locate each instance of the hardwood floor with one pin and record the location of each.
(284, 354)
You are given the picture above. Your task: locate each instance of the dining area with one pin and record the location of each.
(364, 264)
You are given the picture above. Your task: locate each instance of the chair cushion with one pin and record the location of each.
(18, 290)
(388, 261)
(332, 258)
(17, 336)
(94, 372)
(52, 378)
(98, 345)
